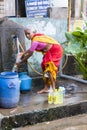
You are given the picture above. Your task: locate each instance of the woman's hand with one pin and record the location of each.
(18, 64)
(22, 57)
(18, 58)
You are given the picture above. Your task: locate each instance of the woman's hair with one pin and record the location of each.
(31, 28)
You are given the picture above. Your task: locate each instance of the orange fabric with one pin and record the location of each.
(44, 38)
(50, 67)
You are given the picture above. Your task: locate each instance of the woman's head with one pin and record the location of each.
(30, 30)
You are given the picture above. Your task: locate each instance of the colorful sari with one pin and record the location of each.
(51, 59)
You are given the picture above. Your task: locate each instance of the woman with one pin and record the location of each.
(52, 53)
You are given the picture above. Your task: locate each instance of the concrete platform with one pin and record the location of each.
(78, 122)
(33, 108)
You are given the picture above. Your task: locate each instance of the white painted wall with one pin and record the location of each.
(77, 8)
(59, 3)
(1, 8)
(9, 7)
(85, 8)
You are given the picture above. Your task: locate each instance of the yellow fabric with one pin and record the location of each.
(44, 38)
(50, 67)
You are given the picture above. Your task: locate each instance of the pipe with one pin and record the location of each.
(73, 78)
(67, 76)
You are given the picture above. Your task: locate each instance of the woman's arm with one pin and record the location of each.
(26, 54)
(24, 57)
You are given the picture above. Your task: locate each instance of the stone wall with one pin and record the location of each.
(8, 29)
(55, 28)
(58, 12)
(14, 26)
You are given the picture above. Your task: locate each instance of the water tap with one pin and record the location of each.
(15, 68)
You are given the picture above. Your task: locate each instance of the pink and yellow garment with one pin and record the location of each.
(51, 59)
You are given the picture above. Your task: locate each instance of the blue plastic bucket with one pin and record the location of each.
(25, 81)
(9, 89)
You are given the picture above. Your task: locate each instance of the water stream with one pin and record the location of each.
(17, 43)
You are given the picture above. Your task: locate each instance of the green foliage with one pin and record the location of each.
(77, 46)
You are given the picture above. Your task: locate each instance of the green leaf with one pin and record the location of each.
(77, 33)
(73, 49)
(78, 29)
(78, 48)
(84, 35)
(85, 31)
(69, 36)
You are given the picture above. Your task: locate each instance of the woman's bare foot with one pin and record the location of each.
(43, 91)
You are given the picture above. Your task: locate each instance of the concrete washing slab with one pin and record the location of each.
(33, 108)
(78, 122)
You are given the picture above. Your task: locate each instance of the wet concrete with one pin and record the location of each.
(33, 108)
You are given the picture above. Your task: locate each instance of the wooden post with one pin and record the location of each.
(81, 10)
(69, 14)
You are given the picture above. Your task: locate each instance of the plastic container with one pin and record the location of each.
(60, 95)
(25, 82)
(50, 96)
(64, 90)
(9, 89)
(15, 68)
(55, 97)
